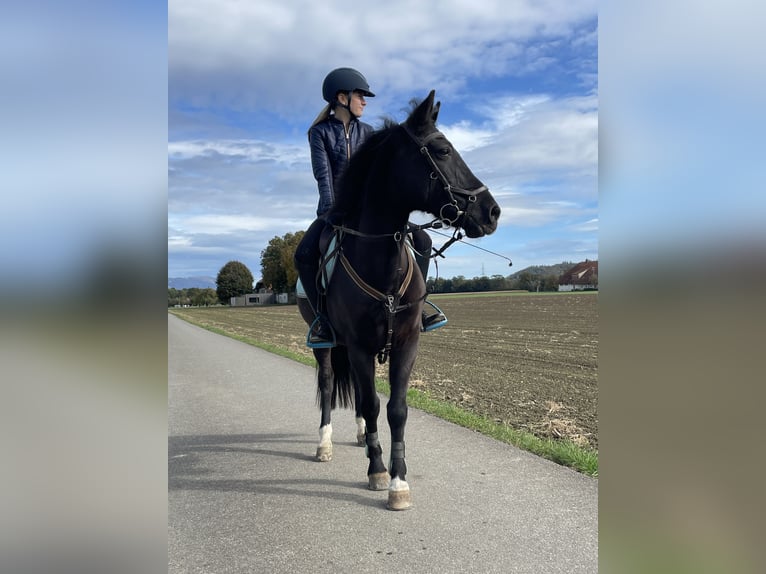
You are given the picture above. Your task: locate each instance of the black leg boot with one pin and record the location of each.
(321, 335)
(306, 260)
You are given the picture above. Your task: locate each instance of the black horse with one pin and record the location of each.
(374, 298)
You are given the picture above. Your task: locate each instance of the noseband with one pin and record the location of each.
(437, 174)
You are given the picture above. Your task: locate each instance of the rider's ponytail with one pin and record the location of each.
(323, 115)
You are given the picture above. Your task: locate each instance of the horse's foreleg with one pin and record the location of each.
(363, 367)
(325, 384)
(398, 490)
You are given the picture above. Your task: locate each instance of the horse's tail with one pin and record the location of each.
(343, 389)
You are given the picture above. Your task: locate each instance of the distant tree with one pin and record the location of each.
(202, 297)
(277, 267)
(178, 297)
(527, 281)
(173, 297)
(481, 283)
(192, 293)
(550, 283)
(498, 283)
(234, 279)
(458, 284)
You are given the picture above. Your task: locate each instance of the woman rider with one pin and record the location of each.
(335, 135)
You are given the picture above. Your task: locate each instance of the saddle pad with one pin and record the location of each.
(329, 263)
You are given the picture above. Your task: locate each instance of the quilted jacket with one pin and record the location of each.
(331, 148)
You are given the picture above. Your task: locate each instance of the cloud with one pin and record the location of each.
(264, 54)
(538, 155)
(586, 226)
(543, 133)
(245, 149)
(244, 84)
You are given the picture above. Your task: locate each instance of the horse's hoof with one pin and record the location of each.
(324, 453)
(378, 481)
(360, 441)
(399, 495)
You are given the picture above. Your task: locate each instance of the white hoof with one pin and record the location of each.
(399, 495)
(324, 453)
(324, 450)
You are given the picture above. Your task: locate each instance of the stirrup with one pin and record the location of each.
(438, 324)
(320, 344)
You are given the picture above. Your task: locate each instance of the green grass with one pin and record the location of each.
(563, 452)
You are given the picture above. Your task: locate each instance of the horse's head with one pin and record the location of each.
(455, 195)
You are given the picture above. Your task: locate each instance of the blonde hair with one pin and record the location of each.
(323, 115)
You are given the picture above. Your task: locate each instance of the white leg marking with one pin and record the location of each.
(361, 429)
(397, 484)
(325, 435)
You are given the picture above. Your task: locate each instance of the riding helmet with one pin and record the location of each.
(344, 80)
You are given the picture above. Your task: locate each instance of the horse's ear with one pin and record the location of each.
(435, 113)
(425, 112)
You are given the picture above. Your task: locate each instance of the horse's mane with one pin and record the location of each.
(348, 196)
(349, 193)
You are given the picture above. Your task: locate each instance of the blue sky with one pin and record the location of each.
(517, 82)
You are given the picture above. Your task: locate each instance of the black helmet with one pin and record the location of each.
(344, 80)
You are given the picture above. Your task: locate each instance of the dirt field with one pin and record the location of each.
(526, 360)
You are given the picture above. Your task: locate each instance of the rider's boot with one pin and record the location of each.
(306, 260)
(422, 244)
(321, 334)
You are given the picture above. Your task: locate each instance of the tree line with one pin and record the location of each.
(524, 281)
(192, 296)
(279, 275)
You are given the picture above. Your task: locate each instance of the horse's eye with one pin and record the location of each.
(443, 152)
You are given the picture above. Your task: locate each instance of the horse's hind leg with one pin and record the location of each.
(324, 397)
(361, 427)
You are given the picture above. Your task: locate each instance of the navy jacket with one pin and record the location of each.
(331, 148)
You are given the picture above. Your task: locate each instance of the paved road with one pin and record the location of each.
(245, 494)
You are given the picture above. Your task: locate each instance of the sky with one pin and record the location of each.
(518, 82)
(96, 95)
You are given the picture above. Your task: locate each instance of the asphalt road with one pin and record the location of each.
(245, 494)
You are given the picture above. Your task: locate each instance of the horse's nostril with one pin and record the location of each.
(495, 213)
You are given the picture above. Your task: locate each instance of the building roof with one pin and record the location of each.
(580, 274)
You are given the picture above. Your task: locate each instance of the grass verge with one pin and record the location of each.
(560, 451)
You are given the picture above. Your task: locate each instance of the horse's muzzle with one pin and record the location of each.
(481, 218)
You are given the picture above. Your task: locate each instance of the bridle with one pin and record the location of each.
(437, 174)
(444, 219)
(392, 302)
